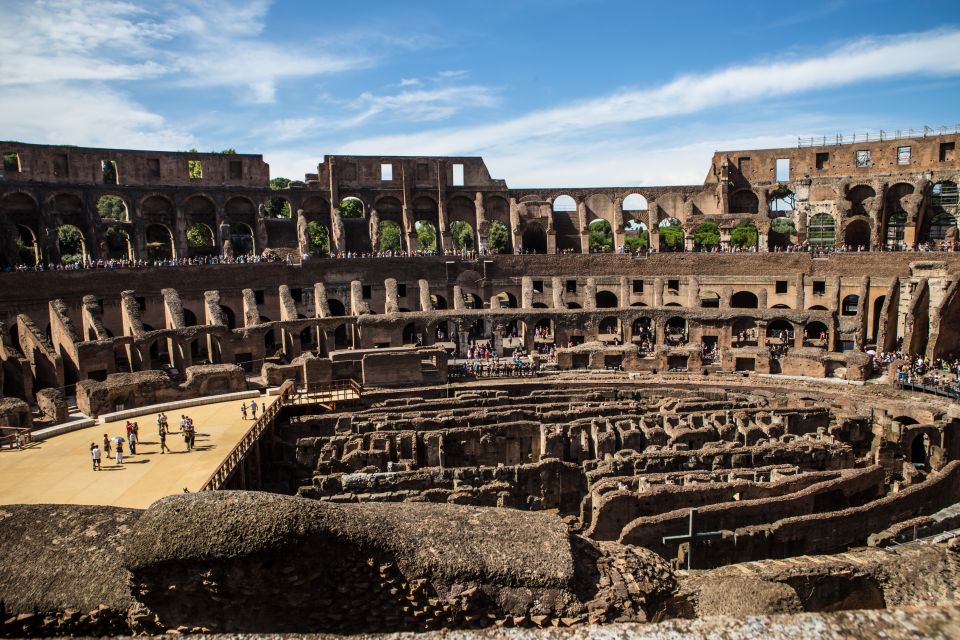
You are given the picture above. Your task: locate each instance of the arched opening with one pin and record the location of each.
(498, 238)
(564, 204)
(857, 234)
(671, 235)
(352, 207)
(543, 331)
(744, 201)
(189, 318)
(782, 201)
(744, 332)
(200, 239)
(861, 199)
(340, 338)
(744, 235)
(159, 243)
(821, 231)
(462, 235)
(278, 207)
(779, 333)
(942, 226)
(507, 300)
(336, 307)
(308, 339)
(744, 300)
(471, 301)
(637, 237)
(606, 300)
(534, 238)
(849, 305)
(706, 236)
(390, 237)
(919, 449)
(438, 302)
(242, 240)
(783, 233)
(229, 316)
(815, 334)
(780, 306)
(112, 208)
(319, 239)
(573, 305)
(71, 243)
(27, 246)
(877, 312)
(635, 202)
(609, 329)
(426, 235)
(643, 334)
(675, 331)
(601, 236)
(896, 231)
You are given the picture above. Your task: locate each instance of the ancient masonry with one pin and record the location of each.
(712, 435)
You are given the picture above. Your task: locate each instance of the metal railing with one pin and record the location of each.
(14, 437)
(881, 136)
(337, 392)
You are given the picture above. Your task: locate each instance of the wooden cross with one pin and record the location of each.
(691, 536)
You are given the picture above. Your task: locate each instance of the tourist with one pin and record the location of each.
(106, 446)
(134, 438)
(95, 455)
(163, 439)
(263, 408)
(119, 450)
(243, 410)
(253, 408)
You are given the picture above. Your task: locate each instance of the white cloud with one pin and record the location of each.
(91, 116)
(930, 53)
(410, 82)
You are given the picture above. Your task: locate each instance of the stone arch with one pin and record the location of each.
(895, 231)
(111, 206)
(815, 334)
(71, 244)
(158, 208)
(744, 300)
(240, 209)
(118, 242)
(428, 239)
(861, 199)
(28, 246)
(242, 239)
(781, 200)
(564, 203)
(671, 234)
(606, 300)
(601, 236)
(675, 330)
(318, 239)
(353, 207)
(201, 239)
(534, 238)
(857, 233)
(159, 242)
(609, 326)
(635, 202)
(821, 230)
(849, 305)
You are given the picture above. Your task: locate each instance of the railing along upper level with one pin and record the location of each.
(879, 136)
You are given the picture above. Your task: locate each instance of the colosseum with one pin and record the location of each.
(724, 408)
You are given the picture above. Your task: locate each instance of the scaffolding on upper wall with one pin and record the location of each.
(881, 136)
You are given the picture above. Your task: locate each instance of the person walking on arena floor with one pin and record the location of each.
(95, 455)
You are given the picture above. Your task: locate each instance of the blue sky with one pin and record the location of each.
(558, 92)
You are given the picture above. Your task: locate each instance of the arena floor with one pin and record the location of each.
(59, 470)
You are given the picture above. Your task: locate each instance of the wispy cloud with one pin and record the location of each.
(931, 53)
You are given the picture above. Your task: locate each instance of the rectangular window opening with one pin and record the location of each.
(823, 158)
(108, 170)
(819, 287)
(863, 158)
(61, 166)
(258, 296)
(538, 286)
(782, 286)
(458, 175)
(11, 162)
(194, 169)
(386, 172)
(673, 285)
(903, 155)
(638, 286)
(783, 169)
(571, 286)
(367, 291)
(236, 169)
(153, 167)
(401, 290)
(947, 150)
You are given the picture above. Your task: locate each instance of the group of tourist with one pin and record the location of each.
(252, 408)
(113, 447)
(123, 263)
(497, 368)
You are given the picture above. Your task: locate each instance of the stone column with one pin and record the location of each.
(624, 291)
(303, 238)
(590, 294)
(482, 228)
(584, 229)
(762, 299)
(835, 297)
(494, 302)
(356, 298)
(556, 291)
(693, 292)
(800, 302)
(526, 292)
(515, 224)
(619, 234)
(251, 313)
(658, 292)
(391, 305)
(426, 304)
(321, 308)
(457, 297)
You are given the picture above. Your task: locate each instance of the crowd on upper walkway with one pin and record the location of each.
(123, 263)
